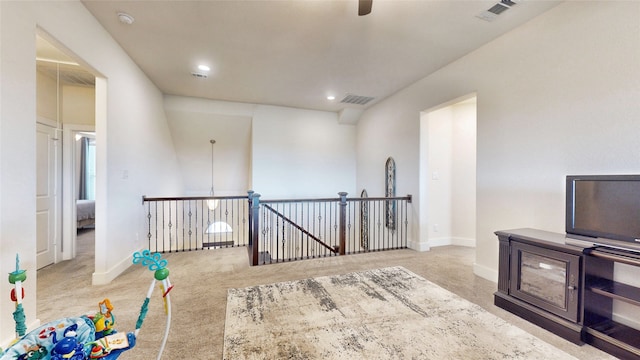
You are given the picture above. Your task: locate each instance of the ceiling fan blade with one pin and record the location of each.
(364, 7)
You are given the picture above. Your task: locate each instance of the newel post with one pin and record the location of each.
(254, 227)
(343, 223)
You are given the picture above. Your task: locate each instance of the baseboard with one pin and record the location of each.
(106, 277)
(463, 242)
(419, 246)
(624, 319)
(443, 241)
(485, 272)
(457, 241)
(4, 344)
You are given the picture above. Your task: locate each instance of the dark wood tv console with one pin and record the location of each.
(567, 289)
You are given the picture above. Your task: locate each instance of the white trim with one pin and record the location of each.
(442, 241)
(625, 320)
(5, 343)
(106, 277)
(419, 246)
(68, 188)
(459, 241)
(46, 121)
(485, 272)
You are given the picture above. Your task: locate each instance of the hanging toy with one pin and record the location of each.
(158, 265)
(104, 320)
(17, 294)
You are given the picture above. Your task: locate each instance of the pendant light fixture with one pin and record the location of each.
(216, 227)
(212, 204)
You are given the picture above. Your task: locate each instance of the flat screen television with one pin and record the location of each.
(604, 210)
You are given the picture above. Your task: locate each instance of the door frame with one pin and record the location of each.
(69, 185)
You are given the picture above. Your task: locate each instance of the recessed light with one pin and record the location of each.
(331, 97)
(204, 67)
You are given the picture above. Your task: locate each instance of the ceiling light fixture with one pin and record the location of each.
(57, 61)
(203, 68)
(331, 97)
(218, 227)
(215, 227)
(212, 203)
(125, 18)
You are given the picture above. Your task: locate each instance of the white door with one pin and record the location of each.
(47, 214)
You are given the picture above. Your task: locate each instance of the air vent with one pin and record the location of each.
(497, 9)
(356, 99)
(199, 75)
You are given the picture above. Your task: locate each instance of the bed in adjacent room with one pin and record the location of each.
(85, 213)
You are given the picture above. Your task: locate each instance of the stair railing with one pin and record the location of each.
(289, 230)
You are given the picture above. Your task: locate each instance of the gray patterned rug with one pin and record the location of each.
(388, 313)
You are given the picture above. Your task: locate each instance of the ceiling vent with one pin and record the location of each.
(496, 10)
(199, 75)
(356, 99)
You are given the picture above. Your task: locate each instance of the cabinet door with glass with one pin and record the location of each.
(546, 278)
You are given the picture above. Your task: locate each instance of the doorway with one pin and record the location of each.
(66, 100)
(448, 173)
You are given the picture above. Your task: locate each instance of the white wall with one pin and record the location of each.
(556, 96)
(278, 152)
(133, 140)
(78, 105)
(46, 93)
(192, 127)
(463, 168)
(450, 180)
(439, 183)
(302, 154)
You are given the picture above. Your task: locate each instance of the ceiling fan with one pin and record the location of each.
(364, 7)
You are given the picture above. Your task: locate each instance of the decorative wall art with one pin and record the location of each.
(364, 220)
(390, 191)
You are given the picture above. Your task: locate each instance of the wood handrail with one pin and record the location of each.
(408, 198)
(175, 198)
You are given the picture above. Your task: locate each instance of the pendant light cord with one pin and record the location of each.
(212, 143)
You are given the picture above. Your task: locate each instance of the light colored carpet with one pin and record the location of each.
(388, 313)
(202, 279)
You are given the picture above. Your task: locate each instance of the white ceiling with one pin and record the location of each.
(55, 63)
(296, 52)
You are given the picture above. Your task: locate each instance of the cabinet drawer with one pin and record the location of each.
(546, 278)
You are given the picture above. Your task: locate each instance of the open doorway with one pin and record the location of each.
(448, 173)
(66, 100)
(85, 190)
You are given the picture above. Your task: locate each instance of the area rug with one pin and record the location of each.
(388, 313)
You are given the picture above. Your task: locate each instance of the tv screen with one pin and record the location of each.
(606, 207)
